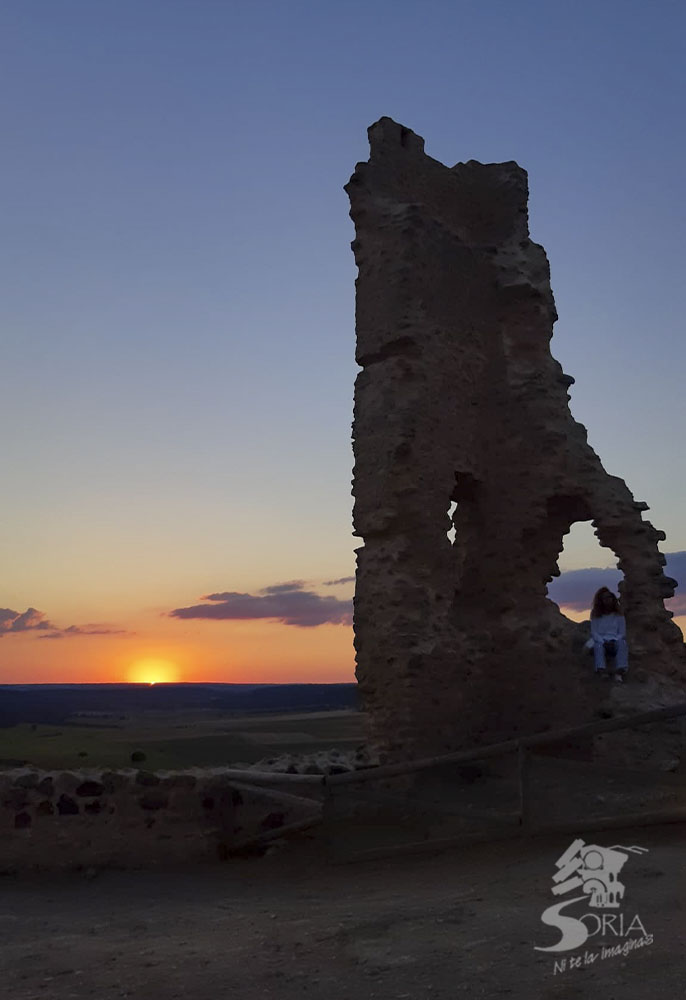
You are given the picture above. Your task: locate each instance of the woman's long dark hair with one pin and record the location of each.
(597, 611)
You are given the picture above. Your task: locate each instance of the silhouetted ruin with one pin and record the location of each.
(460, 401)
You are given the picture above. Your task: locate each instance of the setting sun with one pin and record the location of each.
(151, 670)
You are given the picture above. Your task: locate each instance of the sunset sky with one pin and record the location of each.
(177, 331)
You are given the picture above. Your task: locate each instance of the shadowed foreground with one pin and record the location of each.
(287, 925)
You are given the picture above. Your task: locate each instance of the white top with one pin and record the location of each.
(608, 627)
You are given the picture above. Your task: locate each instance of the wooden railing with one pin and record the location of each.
(520, 822)
(522, 746)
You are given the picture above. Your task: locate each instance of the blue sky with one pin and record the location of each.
(177, 300)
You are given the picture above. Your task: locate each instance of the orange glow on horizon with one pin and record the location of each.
(152, 670)
(576, 616)
(157, 652)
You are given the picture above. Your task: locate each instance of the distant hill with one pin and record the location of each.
(55, 703)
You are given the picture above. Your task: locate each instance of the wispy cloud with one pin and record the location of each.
(288, 603)
(343, 579)
(75, 630)
(32, 620)
(575, 588)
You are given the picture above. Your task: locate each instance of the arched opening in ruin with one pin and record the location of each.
(584, 565)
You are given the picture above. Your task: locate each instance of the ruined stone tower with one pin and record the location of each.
(459, 400)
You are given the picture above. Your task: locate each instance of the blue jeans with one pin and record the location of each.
(611, 647)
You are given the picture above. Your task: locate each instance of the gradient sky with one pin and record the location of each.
(177, 302)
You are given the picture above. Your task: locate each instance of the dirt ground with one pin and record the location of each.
(291, 925)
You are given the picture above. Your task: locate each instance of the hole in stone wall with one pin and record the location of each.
(66, 806)
(451, 513)
(584, 565)
(90, 788)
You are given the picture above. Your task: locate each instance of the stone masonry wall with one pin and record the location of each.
(460, 400)
(68, 819)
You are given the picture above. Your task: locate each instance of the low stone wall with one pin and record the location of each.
(87, 818)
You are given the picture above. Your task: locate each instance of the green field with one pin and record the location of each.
(169, 743)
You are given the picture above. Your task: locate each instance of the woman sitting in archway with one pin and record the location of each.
(608, 634)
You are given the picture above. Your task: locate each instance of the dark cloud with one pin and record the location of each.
(26, 621)
(677, 604)
(291, 604)
(575, 588)
(31, 620)
(284, 588)
(277, 588)
(288, 603)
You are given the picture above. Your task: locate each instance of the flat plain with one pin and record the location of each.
(172, 740)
